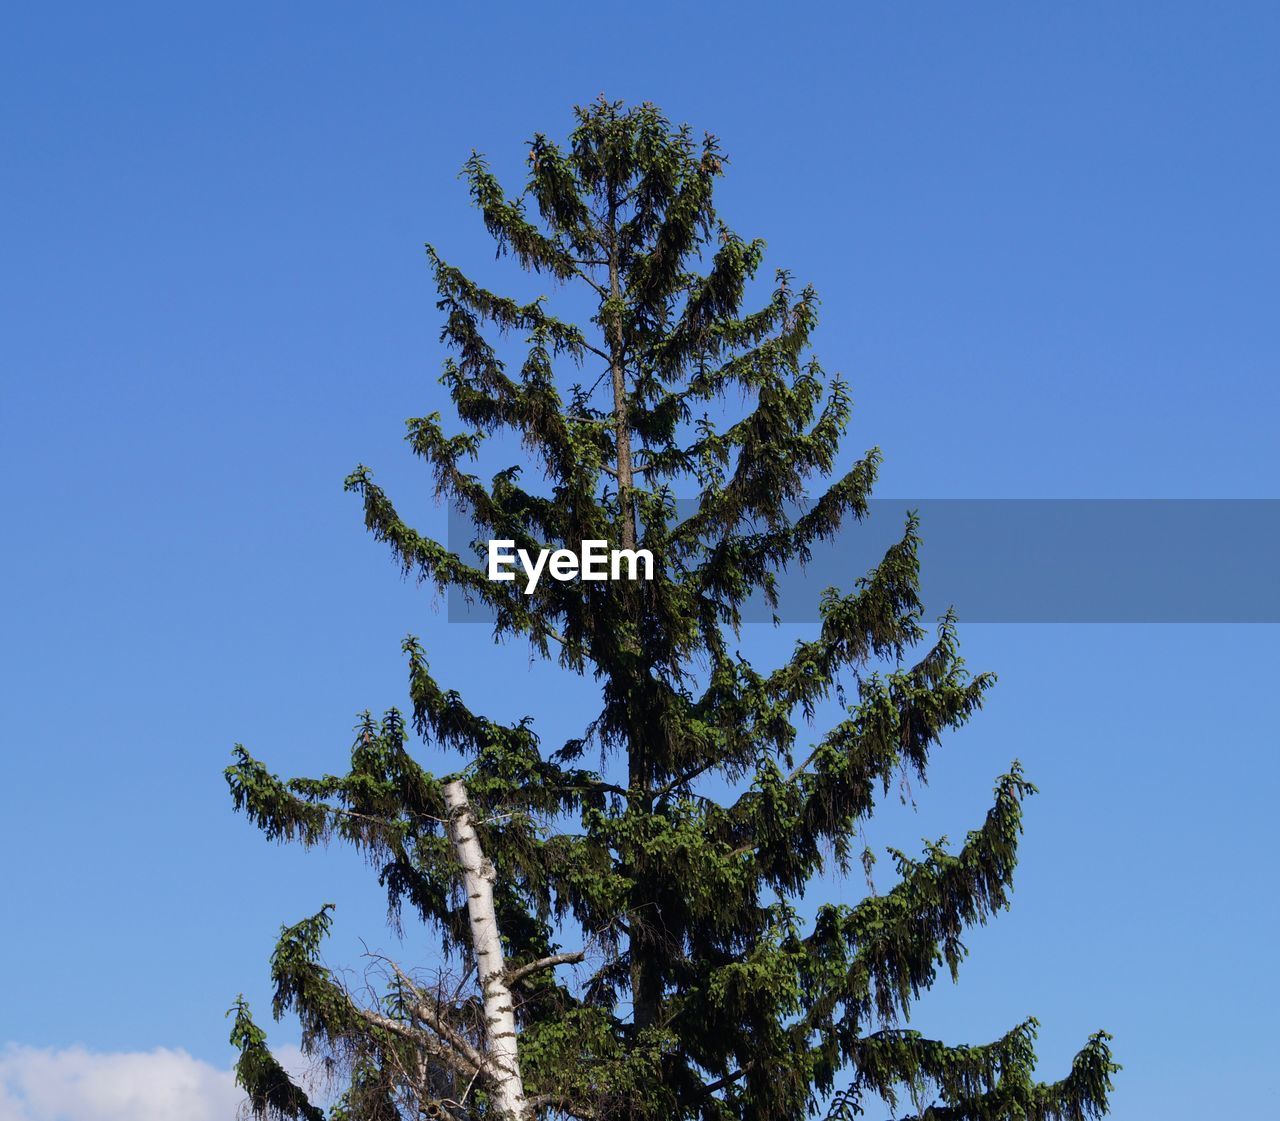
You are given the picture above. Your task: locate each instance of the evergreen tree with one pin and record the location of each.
(677, 865)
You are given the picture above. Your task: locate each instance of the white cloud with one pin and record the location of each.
(74, 1084)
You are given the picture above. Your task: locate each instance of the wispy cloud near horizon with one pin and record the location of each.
(77, 1084)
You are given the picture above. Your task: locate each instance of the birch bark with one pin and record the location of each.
(478, 878)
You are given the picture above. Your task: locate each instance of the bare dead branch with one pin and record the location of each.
(523, 971)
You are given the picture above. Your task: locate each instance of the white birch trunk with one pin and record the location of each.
(499, 1010)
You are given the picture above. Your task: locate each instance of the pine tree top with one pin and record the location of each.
(678, 864)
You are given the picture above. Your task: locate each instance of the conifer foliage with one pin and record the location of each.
(652, 958)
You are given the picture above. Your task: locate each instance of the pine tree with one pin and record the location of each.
(676, 866)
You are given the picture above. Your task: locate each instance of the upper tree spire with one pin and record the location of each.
(676, 866)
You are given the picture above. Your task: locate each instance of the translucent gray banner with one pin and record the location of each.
(1040, 560)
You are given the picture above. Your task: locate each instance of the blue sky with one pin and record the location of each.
(1046, 241)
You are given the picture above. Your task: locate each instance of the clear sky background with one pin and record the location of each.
(1046, 238)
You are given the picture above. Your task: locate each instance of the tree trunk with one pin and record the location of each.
(622, 422)
(646, 989)
(499, 1010)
